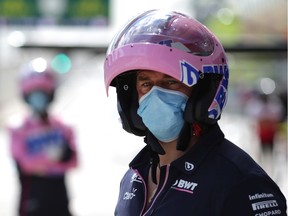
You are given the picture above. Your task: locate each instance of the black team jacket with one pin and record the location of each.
(215, 178)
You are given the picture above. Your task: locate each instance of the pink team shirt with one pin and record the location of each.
(38, 146)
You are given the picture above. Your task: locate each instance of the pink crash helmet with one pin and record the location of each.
(37, 78)
(176, 45)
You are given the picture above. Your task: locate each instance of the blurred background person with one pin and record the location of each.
(43, 147)
(267, 112)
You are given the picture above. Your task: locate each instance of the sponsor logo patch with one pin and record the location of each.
(189, 166)
(185, 186)
(264, 205)
(135, 178)
(129, 195)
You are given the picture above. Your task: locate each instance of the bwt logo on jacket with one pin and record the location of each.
(185, 186)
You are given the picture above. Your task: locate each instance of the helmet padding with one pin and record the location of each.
(203, 93)
(127, 103)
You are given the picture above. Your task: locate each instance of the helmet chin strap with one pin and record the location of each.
(182, 144)
(184, 137)
(152, 141)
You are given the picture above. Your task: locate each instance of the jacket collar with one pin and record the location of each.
(189, 162)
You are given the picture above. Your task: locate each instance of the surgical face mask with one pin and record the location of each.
(162, 112)
(38, 101)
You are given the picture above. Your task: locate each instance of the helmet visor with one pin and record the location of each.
(166, 28)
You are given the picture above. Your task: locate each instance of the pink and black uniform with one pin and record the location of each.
(213, 177)
(43, 149)
(44, 152)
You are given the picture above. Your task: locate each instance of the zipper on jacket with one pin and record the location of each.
(159, 192)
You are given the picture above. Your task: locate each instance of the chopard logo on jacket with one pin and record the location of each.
(185, 186)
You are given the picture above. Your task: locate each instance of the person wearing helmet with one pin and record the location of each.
(171, 77)
(43, 149)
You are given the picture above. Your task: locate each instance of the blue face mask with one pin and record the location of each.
(162, 112)
(38, 101)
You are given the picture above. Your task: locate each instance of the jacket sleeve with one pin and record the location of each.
(255, 196)
(69, 158)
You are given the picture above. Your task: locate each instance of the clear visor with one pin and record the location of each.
(166, 28)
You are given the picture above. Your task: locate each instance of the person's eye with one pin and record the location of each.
(172, 84)
(144, 87)
(146, 84)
